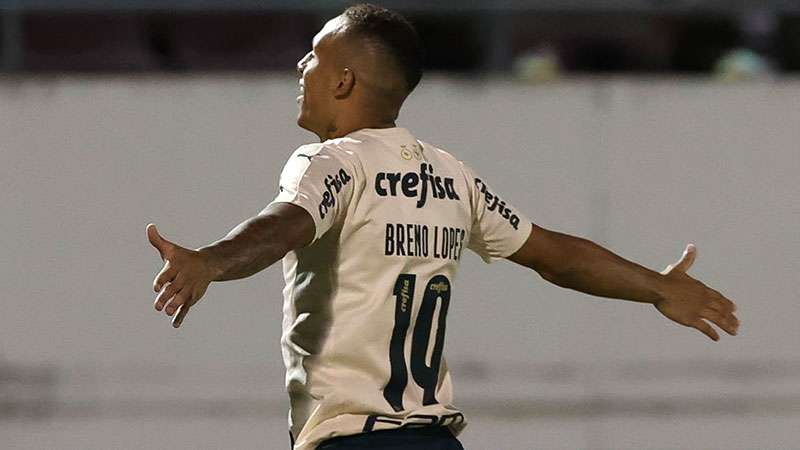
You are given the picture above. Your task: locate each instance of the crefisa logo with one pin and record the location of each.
(494, 203)
(416, 185)
(333, 185)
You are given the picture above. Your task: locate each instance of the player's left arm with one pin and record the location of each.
(584, 266)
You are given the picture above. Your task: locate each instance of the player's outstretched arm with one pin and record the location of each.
(252, 246)
(582, 265)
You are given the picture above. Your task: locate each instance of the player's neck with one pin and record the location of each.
(339, 131)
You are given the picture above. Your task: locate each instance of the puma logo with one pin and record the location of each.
(306, 156)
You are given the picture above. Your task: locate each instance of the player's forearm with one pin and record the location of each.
(590, 268)
(247, 249)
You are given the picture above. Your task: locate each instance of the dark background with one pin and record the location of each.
(659, 36)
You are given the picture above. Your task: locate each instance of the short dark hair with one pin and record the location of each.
(394, 33)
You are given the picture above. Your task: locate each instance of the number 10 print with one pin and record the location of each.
(426, 376)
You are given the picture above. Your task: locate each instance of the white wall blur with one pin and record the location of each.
(640, 166)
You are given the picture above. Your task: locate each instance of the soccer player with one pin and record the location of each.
(371, 224)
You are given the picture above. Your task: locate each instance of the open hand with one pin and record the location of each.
(182, 281)
(691, 303)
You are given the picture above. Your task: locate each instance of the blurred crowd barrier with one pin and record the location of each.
(576, 36)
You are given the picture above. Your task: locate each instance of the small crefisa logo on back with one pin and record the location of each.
(333, 185)
(416, 185)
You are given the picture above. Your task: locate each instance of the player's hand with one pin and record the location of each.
(182, 281)
(691, 303)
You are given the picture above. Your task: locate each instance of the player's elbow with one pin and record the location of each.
(555, 256)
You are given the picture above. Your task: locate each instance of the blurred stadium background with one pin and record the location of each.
(643, 125)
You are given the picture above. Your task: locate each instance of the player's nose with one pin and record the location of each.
(301, 65)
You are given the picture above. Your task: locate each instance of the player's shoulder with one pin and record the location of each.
(309, 149)
(330, 151)
(318, 148)
(323, 159)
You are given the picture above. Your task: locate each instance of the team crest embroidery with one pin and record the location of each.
(414, 153)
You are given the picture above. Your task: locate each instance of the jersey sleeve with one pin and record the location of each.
(319, 180)
(498, 228)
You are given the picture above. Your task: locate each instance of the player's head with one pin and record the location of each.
(362, 66)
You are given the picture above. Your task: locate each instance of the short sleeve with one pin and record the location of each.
(498, 228)
(321, 181)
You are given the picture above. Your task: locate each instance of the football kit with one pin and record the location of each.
(366, 302)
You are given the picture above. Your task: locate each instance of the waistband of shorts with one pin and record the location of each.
(400, 433)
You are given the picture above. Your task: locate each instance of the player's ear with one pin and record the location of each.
(347, 81)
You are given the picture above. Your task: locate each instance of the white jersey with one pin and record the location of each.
(365, 304)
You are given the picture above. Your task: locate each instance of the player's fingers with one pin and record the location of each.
(169, 290)
(724, 301)
(734, 321)
(179, 299)
(155, 239)
(687, 259)
(179, 316)
(721, 320)
(726, 309)
(706, 329)
(718, 296)
(167, 274)
(717, 306)
(718, 302)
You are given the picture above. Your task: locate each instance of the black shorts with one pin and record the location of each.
(426, 438)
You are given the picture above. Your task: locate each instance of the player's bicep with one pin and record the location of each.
(543, 251)
(291, 226)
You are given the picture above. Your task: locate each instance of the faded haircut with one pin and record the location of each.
(393, 33)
